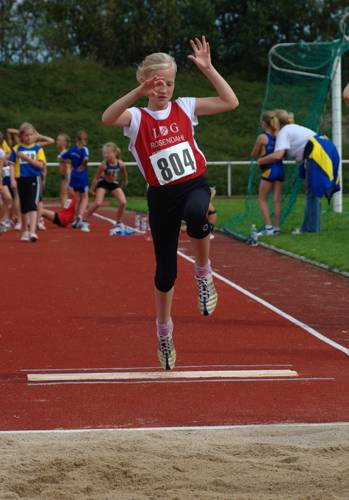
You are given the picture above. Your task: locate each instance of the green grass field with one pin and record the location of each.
(330, 246)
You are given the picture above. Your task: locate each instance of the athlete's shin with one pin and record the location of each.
(163, 305)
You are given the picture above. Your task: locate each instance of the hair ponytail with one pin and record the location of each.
(269, 118)
(284, 117)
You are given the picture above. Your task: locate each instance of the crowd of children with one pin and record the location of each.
(23, 179)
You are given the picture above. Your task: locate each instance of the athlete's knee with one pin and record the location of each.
(198, 225)
(165, 279)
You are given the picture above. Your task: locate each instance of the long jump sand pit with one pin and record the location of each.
(262, 462)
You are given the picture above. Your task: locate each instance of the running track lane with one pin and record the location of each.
(84, 301)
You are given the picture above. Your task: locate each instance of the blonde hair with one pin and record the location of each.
(113, 147)
(282, 117)
(26, 127)
(268, 117)
(155, 62)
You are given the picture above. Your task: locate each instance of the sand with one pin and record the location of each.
(264, 462)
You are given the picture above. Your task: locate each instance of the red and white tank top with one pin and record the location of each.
(163, 145)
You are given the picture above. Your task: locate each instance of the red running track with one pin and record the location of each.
(84, 301)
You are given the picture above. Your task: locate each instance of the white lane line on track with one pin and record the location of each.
(278, 311)
(180, 428)
(156, 368)
(192, 381)
(163, 375)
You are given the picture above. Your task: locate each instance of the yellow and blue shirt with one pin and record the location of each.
(23, 168)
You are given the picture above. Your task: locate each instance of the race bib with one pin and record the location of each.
(173, 163)
(28, 154)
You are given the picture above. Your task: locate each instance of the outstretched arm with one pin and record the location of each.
(226, 99)
(117, 114)
(346, 95)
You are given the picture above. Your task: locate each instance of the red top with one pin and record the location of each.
(165, 149)
(67, 213)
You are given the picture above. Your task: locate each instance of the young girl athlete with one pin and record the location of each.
(273, 175)
(162, 142)
(106, 179)
(78, 157)
(30, 163)
(62, 143)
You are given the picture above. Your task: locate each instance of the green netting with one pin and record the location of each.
(299, 78)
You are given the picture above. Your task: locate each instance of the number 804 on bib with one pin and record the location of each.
(173, 163)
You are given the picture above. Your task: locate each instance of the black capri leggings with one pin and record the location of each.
(168, 206)
(29, 191)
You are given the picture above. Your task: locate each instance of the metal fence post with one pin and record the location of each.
(229, 179)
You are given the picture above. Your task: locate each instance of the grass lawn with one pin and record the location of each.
(330, 246)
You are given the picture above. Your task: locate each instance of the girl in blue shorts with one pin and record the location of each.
(272, 178)
(78, 156)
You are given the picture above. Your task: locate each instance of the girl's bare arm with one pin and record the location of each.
(226, 99)
(117, 115)
(124, 173)
(36, 163)
(99, 174)
(44, 140)
(256, 151)
(277, 155)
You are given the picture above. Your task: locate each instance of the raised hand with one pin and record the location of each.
(151, 87)
(202, 55)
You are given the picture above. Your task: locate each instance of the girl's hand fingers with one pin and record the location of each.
(198, 43)
(193, 46)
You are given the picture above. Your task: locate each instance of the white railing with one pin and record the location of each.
(228, 164)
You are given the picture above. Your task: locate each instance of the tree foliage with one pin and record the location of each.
(118, 32)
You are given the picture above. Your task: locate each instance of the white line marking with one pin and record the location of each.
(278, 311)
(156, 368)
(193, 381)
(179, 428)
(165, 375)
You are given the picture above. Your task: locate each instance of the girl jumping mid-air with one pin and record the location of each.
(162, 142)
(106, 179)
(272, 178)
